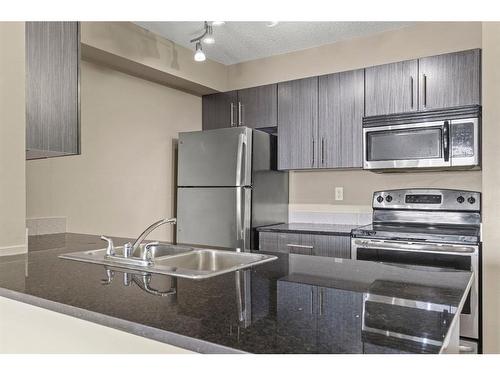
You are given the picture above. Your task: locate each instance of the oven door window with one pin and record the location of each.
(456, 262)
(405, 144)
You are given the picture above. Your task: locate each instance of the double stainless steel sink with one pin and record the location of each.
(175, 260)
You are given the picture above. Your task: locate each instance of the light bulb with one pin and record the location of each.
(199, 55)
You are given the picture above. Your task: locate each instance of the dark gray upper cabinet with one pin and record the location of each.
(52, 89)
(258, 107)
(391, 88)
(450, 80)
(298, 124)
(219, 110)
(341, 110)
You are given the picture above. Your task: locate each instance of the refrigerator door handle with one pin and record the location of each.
(240, 236)
(242, 144)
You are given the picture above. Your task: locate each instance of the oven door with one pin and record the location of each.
(458, 257)
(422, 145)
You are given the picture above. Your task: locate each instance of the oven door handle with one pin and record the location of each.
(415, 247)
(446, 141)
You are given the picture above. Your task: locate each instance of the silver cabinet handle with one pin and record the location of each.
(231, 106)
(425, 90)
(300, 246)
(322, 150)
(313, 154)
(240, 114)
(312, 300)
(411, 92)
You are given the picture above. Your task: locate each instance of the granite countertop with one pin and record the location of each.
(310, 228)
(295, 304)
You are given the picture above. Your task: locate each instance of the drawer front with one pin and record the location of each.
(306, 244)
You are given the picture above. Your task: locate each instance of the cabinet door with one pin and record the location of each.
(332, 246)
(258, 107)
(52, 89)
(268, 241)
(340, 318)
(219, 110)
(450, 80)
(391, 88)
(340, 119)
(296, 315)
(298, 124)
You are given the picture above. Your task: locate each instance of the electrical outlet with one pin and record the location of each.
(339, 193)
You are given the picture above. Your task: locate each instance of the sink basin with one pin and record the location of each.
(206, 263)
(175, 260)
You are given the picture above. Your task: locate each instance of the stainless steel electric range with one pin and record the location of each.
(428, 227)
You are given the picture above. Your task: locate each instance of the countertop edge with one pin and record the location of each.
(304, 231)
(166, 337)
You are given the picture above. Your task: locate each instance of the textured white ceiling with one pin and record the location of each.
(242, 41)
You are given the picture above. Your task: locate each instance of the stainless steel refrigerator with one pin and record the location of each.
(228, 184)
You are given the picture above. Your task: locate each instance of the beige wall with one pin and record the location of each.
(423, 39)
(131, 42)
(12, 139)
(491, 186)
(319, 187)
(123, 181)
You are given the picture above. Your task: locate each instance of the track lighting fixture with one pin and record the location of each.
(207, 37)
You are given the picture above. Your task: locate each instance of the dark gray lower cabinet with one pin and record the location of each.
(325, 320)
(296, 312)
(306, 244)
(52, 89)
(339, 320)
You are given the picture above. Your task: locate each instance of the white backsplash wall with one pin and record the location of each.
(329, 214)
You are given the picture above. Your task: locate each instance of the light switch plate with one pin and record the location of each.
(339, 193)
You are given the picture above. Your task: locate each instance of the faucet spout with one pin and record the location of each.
(149, 229)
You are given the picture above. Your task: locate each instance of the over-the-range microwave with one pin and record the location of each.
(442, 139)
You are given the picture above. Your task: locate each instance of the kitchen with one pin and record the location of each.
(142, 97)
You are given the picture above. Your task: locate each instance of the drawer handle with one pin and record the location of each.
(301, 246)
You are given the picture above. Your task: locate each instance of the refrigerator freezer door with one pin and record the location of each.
(220, 157)
(214, 217)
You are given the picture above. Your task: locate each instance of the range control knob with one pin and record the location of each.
(471, 200)
(460, 199)
(388, 198)
(380, 199)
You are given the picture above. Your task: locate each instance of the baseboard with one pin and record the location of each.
(13, 250)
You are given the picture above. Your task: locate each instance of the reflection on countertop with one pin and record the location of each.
(296, 304)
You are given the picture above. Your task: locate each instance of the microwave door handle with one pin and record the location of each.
(446, 141)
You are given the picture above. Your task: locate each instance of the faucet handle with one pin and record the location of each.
(110, 250)
(146, 255)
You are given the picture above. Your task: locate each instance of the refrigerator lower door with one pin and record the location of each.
(219, 157)
(217, 217)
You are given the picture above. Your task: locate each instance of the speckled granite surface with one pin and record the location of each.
(310, 228)
(296, 304)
